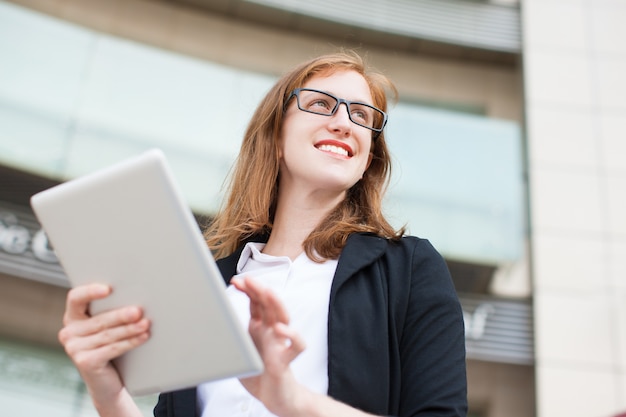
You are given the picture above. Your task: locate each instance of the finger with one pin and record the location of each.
(264, 303)
(254, 293)
(99, 323)
(111, 336)
(255, 307)
(296, 342)
(276, 307)
(256, 311)
(99, 357)
(78, 299)
(260, 308)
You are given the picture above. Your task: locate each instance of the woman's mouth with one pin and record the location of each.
(336, 148)
(333, 149)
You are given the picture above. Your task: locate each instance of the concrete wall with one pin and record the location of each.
(575, 84)
(501, 390)
(30, 310)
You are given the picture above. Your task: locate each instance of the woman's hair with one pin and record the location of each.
(253, 188)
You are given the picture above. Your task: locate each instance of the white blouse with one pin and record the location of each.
(304, 287)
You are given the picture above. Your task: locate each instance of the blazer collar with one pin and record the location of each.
(361, 250)
(228, 265)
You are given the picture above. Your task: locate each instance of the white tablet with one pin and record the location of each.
(127, 226)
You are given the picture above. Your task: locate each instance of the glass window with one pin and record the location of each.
(73, 100)
(458, 182)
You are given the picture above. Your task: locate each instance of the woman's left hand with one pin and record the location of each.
(277, 344)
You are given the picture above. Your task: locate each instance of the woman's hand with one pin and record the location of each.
(93, 341)
(277, 344)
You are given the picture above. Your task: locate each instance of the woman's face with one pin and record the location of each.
(328, 153)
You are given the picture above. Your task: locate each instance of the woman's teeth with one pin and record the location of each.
(334, 149)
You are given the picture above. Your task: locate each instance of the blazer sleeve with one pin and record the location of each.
(432, 345)
(161, 408)
(180, 403)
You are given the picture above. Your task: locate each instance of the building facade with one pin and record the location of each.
(507, 139)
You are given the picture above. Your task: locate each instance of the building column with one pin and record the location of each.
(575, 91)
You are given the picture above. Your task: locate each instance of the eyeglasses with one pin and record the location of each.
(326, 104)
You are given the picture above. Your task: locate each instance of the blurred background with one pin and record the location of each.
(509, 143)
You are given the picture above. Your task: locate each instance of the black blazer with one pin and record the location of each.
(396, 343)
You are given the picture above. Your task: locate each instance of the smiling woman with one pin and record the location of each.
(252, 199)
(322, 280)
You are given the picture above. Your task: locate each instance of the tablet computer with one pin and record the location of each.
(129, 227)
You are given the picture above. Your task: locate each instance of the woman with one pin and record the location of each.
(350, 317)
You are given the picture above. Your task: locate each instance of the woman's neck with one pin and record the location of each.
(297, 215)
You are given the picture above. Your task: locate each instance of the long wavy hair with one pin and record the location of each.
(252, 189)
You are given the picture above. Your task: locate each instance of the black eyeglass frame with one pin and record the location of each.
(296, 93)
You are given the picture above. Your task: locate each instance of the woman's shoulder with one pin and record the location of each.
(402, 251)
(419, 245)
(407, 244)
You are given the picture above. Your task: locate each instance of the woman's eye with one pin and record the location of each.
(360, 116)
(320, 103)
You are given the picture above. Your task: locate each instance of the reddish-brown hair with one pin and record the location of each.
(253, 187)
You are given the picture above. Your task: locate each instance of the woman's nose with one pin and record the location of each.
(341, 119)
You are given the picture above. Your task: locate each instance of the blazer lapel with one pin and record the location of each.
(360, 251)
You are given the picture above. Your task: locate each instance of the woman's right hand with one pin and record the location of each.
(93, 341)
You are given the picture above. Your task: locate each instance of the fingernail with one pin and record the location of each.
(102, 289)
(132, 312)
